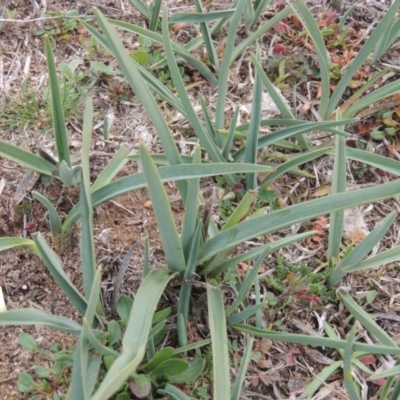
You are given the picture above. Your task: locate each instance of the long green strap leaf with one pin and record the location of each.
(316, 341)
(294, 214)
(169, 235)
(32, 316)
(136, 333)
(169, 173)
(135, 81)
(219, 344)
(26, 158)
(60, 130)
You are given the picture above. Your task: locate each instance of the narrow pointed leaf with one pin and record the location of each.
(171, 242)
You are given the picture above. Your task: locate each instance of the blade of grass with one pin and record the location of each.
(373, 98)
(361, 250)
(55, 268)
(241, 376)
(262, 30)
(112, 168)
(361, 57)
(55, 220)
(205, 139)
(386, 257)
(365, 320)
(316, 341)
(338, 186)
(225, 65)
(248, 14)
(141, 6)
(173, 391)
(229, 139)
(312, 28)
(245, 287)
(31, 316)
(321, 378)
(190, 217)
(136, 333)
(10, 242)
(219, 343)
(179, 50)
(349, 383)
(375, 160)
(133, 77)
(250, 153)
(88, 257)
(200, 17)
(294, 214)
(155, 12)
(242, 209)
(26, 159)
(297, 129)
(274, 246)
(171, 242)
(212, 54)
(245, 314)
(169, 173)
(60, 130)
(287, 166)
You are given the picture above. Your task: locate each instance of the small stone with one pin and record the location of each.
(148, 205)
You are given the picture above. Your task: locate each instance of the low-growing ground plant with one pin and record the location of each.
(125, 356)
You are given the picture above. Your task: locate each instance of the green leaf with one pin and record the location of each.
(173, 391)
(136, 82)
(365, 320)
(25, 383)
(60, 130)
(70, 177)
(199, 17)
(219, 344)
(87, 250)
(224, 72)
(154, 10)
(288, 216)
(361, 57)
(192, 346)
(55, 267)
(316, 341)
(338, 186)
(250, 155)
(136, 333)
(207, 36)
(114, 332)
(170, 173)
(27, 341)
(161, 356)
(245, 287)
(171, 242)
(112, 168)
(205, 139)
(241, 376)
(353, 261)
(31, 316)
(324, 64)
(124, 307)
(26, 158)
(348, 379)
(55, 220)
(10, 242)
(196, 367)
(321, 378)
(168, 368)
